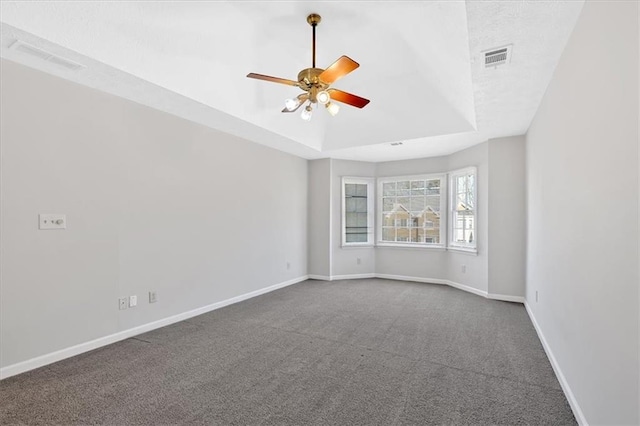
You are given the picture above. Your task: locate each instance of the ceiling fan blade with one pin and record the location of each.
(338, 69)
(272, 79)
(303, 98)
(347, 98)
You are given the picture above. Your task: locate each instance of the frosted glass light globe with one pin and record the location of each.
(291, 104)
(306, 113)
(323, 97)
(333, 108)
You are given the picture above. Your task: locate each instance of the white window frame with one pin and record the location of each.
(443, 212)
(370, 210)
(455, 245)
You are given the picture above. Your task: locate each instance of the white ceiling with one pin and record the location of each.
(420, 64)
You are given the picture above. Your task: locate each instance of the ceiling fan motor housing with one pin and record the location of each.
(309, 80)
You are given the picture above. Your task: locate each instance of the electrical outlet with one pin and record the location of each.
(358, 261)
(153, 297)
(288, 265)
(463, 268)
(52, 221)
(123, 303)
(133, 301)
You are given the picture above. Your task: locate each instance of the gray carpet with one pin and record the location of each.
(367, 352)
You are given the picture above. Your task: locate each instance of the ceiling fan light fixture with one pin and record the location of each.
(316, 82)
(332, 108)
(323, 97)
(291, 104)
(306, 113)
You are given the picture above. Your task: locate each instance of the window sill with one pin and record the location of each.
(412, 246)
(464, 250)
(357, 246)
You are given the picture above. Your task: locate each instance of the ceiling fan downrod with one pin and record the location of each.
(313, 20)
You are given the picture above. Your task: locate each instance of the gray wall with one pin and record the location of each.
(507, 216)
(501, 187)
(412, 262)
(582, 203)
(319, 217)
(345, 260)
(476, 274)
(437, 263)
(153, 202)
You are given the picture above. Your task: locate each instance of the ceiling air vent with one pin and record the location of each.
(497, 56)
(26, 48)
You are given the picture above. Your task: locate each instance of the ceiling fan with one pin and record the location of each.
(316, 82)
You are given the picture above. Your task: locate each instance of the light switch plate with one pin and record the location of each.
(53, 221)
(133, 301)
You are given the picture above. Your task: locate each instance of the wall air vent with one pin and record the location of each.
(497, 56)
(28, 49)
(396, 143)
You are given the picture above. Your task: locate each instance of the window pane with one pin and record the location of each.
(404, 202)
(433, 202)
(417, 184)
(350, 204)
(356, 238)
(413, 215)
(433, 187)
(387, 204)
(350, 219)
(389, 188)
(417, 235)
(404, 187)
(418, 204)
(356, 217)
(361, 190)
(389, 219)
(388, 234)
(361, 220)
(417, 187)
(470, 191)
(463, 211)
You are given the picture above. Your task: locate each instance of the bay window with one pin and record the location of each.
(462, 207)
(410, 211)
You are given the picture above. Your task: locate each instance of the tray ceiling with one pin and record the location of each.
(420, 64)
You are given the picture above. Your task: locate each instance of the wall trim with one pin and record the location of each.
(450, 283)
(464, 287)
(50, 358)
(414, 279)
(352, 276)
(573, 402)
(319, 277)
(506, 298)
(467, 288)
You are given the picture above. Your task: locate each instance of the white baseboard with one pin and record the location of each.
(434, 281)
(413, 279)
(506, 298)
(341, 277)
(319, 277)
(21, 367)
(503, 297)
(575, 407)
(352, 277)
(467, 288)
